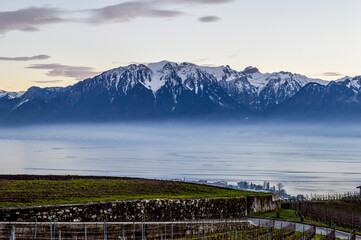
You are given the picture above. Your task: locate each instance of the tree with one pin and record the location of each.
(279, 186)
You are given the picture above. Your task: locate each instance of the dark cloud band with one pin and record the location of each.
(128, 11)
(208, 19)
(48, 81)
(331, 74)
(59, 70)
(37, 57)
(28, 19)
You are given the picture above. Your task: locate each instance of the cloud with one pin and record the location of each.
(128, 11)
(208, 19)
(128, 63)
(49, 81)
(202, 1)
(233, 56)
(59, 70)
(200, 60)
(331, 74)
(37, 57)
(28, 19)
(208, 65)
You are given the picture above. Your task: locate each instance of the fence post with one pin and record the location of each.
(105, 229)
(172, 232)
(123, 235)
(36, 223)
(85, 233)
(225, 222)
(13, 234)
(191, 227)
(303, 233)
(133, 230)
(59, 235)
(198, 233)
(245, 232)
(54, 230)
(51, 231)
(165, 232)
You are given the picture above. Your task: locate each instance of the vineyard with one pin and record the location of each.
(200, 230)
(345, 213)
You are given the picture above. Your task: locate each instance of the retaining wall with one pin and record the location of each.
(145, 210)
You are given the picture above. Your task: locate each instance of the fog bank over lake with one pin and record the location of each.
(305, 158)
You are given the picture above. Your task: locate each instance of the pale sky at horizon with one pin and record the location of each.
(59, 42)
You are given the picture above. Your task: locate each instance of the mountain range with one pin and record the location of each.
(166, 90)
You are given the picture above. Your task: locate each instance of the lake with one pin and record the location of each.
(305, 158)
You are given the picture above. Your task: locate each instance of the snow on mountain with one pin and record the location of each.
(343, 79)
(3, 93)
(189, 73)
(20, 103)
(153, 76)
(166, 88)
(11, 95)
(158, 76)
(250, 86)
(260, 80)
(354, 83)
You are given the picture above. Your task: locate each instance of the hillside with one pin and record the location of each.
(19, 190)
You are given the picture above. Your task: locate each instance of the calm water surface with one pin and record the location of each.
(306, 159)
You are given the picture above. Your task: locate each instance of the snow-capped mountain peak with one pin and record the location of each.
(159, 72)
(3, 93)
(353, 83)
(276, 86)
(11, 95)
(250, 70)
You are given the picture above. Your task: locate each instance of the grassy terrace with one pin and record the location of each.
(20, 190)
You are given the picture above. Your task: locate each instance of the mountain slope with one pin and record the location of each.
(170, 90)
(337, 100)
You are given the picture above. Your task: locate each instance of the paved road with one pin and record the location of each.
(300, 227)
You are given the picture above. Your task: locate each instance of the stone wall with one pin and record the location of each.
(145, 210)
(259, 204)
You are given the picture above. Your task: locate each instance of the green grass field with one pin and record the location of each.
(20, 190)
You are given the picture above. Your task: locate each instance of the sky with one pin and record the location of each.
(50, 43)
